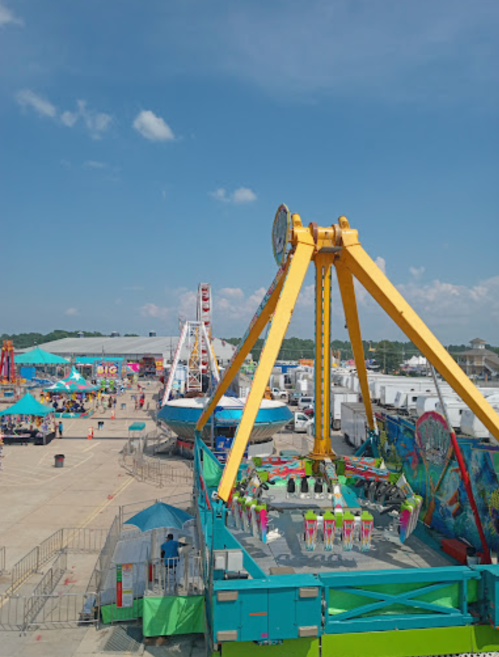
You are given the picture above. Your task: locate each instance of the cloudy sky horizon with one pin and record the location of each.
(145, 148)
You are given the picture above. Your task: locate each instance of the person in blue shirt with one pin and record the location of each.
(169, 551)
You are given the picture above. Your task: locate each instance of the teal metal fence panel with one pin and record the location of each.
(393, 599)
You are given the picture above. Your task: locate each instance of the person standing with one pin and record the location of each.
(169, 552)
(60, 429)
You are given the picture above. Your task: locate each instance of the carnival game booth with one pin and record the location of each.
(27, 421)
(39, 367)
(70, 396)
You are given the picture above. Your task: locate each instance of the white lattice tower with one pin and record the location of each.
(194, 339)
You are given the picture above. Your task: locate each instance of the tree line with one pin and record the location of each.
(387, 355)
(26, 340)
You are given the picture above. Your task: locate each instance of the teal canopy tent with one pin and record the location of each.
(38, 356)
(28, 405)
(159, 515)
(72, 383)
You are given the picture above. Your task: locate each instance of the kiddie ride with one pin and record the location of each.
(338, 497)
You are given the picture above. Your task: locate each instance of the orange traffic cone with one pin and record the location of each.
(90, 433)
(112, 415)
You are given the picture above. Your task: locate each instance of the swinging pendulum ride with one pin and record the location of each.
(243, 486)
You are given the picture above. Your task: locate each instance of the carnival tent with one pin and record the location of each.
(39, 356)
(72, 383)
(28, 405)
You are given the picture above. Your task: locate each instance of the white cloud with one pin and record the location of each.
(152, 127)
(381, 262)
(94, 164)
(7, 17)
(455, 313)
(152, 310)
(220, 194)
(97, 123)
(69, 119)
(232, 304)
(243, 195)
(231, 292)
(239, 196)
(417, 272)
(43, 107)
(71, 312)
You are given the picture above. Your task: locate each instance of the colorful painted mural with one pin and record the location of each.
(428, 463)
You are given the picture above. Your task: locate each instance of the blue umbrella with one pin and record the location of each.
(159, 515)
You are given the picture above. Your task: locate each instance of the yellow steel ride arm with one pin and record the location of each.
(260, 322)
(389, 298)
(300, 261)
(347, 291)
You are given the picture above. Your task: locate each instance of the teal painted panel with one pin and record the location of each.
(282, 614)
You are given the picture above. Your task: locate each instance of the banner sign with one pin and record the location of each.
(106, 369)
(159, 365)
(124, 585)
(225, 443)
(308, 362)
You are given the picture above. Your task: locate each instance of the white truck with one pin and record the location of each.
(300, 422)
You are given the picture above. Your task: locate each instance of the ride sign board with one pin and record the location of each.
(281, 233)
(107, 369)
(124, 585)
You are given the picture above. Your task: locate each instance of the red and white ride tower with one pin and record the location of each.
(7, 368)
(204, 316)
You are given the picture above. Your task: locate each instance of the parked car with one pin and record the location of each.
(305, 402)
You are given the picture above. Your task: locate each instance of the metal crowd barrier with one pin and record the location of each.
(176, 576)
(45, 588)
(79, 539)
(67, 610)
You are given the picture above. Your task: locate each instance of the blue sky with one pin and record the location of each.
(145, 146)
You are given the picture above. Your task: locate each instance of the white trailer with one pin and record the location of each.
(354, 423)
(340, 396)
(455, 408)
(472, 426)
(428, 401)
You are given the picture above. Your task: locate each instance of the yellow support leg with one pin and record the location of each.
(322, 441)
(326, 355)
(319, 309)
(248, 344)
(282, 316)
(388, 297)
(347, 291)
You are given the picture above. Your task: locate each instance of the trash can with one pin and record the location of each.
(123, 407)
(59, 460)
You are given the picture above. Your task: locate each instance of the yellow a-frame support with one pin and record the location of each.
(336, 245)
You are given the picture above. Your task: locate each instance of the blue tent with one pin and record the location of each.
(159, 515)
(28, 406)
(39, 356)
